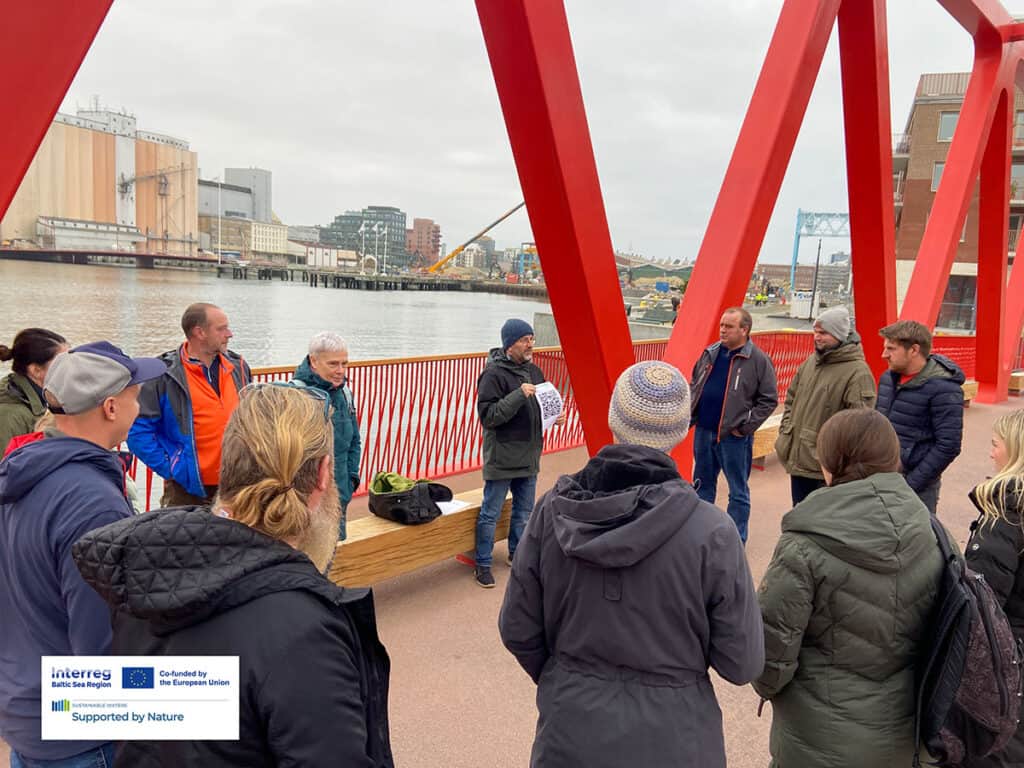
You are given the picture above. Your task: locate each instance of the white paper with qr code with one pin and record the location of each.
(550, 403)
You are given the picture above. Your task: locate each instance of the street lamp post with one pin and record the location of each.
(385, 249)
(376, 248)
(362, 251)
(220, 209)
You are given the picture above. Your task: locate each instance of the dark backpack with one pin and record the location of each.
(969, 688)
(406, 501)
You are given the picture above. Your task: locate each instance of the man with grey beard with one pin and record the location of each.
(247, 580)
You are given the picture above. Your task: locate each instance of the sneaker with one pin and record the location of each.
(483, 577)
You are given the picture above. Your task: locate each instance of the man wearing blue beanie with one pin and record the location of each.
(513, 439)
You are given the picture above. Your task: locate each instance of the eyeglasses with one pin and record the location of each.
(313, 392)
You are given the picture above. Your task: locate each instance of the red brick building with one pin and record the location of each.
(423, 241)
(919, 156)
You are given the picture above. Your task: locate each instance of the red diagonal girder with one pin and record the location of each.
(42, 44)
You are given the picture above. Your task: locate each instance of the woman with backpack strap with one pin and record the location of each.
(846, 601)
(996, 546)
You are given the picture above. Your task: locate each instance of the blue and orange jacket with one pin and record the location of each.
(163, 436)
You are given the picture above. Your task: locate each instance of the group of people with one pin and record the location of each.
(627, 584)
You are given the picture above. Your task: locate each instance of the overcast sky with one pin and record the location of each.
(393, 103)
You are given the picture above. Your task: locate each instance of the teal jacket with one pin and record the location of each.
(347, 445)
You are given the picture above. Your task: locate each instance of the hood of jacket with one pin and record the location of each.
(849, 350)
(24, 468)
(308, 376)
(498, 357)
(624, 504)
(15, 388)
(937, 367)
(176, 567)
(858, 522)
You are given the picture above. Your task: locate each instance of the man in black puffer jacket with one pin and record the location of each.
(921, 395)
(246, 579)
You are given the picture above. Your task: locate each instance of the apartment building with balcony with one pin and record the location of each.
(919, 157)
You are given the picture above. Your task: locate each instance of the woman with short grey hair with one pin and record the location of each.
(326, 368)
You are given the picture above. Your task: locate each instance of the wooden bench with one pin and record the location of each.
(764, 439)
(377, 549)
(970, 388)
(1017, 382)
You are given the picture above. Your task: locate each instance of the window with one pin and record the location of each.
(1018, 127)
(947, 125)
(937, 175)
(1017, 181)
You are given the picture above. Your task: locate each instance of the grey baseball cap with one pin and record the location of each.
(81, 379)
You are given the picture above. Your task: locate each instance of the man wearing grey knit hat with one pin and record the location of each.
(623, 567)
(835, 377)
(513, 438)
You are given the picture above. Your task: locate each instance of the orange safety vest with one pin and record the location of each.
(210, 414)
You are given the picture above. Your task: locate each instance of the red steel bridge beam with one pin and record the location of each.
(535, 72)
(42, 44)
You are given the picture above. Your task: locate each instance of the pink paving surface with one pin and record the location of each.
(458, 699)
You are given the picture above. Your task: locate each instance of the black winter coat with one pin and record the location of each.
(625, 588)
(313, 674)
(996, 551)
(513, 438)
(927, 413)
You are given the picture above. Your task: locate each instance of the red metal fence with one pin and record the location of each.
(417, 416)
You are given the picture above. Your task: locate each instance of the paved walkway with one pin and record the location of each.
(459, 700)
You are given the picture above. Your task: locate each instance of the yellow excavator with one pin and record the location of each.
(440, 265)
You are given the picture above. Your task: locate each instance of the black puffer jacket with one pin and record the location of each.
(513, 438)
(313, 674)
(927, 413)
(625, 588)
(996, 551)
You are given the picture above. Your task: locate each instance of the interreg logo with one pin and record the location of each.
(60, 706)
(137, 677)
(68, 677)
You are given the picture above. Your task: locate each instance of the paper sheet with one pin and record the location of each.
(550, 404)
(450, 507)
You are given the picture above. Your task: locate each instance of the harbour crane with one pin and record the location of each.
(440, 265)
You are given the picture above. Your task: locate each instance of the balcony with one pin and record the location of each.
(898, 181)
(901, 144)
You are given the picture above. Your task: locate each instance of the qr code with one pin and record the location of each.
(550, 403)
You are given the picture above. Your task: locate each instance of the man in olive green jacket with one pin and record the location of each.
(834, 378)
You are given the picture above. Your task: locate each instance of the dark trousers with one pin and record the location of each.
(930, 496)
(802, 487)
(175, 495)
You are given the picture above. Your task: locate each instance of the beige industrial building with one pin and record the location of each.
(99, 183)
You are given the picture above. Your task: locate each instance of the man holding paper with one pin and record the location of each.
(511, 415)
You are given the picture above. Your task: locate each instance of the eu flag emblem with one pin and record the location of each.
(136, 677)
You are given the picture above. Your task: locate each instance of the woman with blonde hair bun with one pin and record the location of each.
(248, 581)
(996, 547)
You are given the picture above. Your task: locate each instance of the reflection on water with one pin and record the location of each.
(140, 310)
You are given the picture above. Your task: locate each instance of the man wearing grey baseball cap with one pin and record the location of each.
(52, 492)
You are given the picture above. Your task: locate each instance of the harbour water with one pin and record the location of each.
(140, 310)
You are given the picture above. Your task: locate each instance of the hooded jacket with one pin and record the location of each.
(513, 438)
(313, 674)
(751, 391)
(996, 551)
(825, 384)
(20, 408)
(625, 589)
(347, 444)
(162, 435)
(51, 493)
(927, 413)
(846, 600)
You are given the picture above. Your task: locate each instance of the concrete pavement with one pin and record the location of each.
(459, 700)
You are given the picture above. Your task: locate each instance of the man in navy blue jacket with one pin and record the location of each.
(51, 493)
(921, 395)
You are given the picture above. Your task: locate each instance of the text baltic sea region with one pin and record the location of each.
(67, 677)
(190, 678)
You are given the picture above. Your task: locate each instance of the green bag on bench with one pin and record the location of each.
(406, 501)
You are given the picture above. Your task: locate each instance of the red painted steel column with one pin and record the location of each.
(945, 223)
(42, 45)
(993, 377)
(1014, 313)
(864, 60)
(535, 72)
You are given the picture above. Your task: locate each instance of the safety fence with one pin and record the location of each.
(417, 416)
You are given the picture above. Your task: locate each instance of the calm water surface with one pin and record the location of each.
(140, 310)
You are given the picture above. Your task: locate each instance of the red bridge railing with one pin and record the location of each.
(417, 416)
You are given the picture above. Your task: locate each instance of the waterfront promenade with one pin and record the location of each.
(459, 700)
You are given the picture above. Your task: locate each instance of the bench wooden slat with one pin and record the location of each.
(766, 435)
(377, 549)
(1016, 382)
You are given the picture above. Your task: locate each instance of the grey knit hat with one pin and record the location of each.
(835, 322)
(650, 406)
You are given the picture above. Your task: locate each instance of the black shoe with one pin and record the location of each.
(483, 577)
(509, 559)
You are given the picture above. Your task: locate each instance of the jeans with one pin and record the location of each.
(524, 489)
(341, 521)
(802, 487)
(733, 456)
(100, 757)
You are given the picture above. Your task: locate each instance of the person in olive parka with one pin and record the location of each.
(846, 600)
